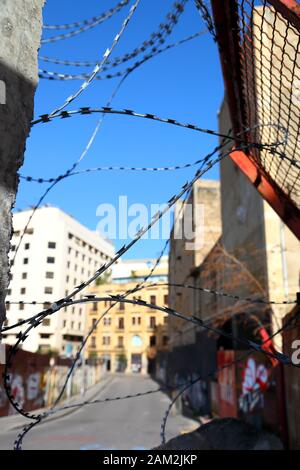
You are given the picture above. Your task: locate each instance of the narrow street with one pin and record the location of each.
(121, 425)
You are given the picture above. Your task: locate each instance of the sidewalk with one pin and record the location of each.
(14, 422)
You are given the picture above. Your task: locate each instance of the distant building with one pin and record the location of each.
(128, 337)
(57, 253)
(129, 270)
(204, 209)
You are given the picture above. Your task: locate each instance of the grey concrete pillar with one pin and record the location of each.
(20, 31)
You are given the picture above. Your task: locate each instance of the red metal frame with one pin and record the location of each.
(226, 25)
(274, 196)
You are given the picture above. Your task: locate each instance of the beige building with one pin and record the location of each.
(186, 255)
(257, 238)
(56, 254)
(129, 335)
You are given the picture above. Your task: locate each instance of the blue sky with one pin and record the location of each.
(184, 83)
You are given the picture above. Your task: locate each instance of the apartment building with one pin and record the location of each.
(56, 254)
(129, 336)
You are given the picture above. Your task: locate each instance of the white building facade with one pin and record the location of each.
(57, 253)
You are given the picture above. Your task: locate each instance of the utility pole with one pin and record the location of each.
(20, 32)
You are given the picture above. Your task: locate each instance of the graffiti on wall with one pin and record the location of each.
(255, 381)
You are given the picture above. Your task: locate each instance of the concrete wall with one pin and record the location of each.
(20, 30)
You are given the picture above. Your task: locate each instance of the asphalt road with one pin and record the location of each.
(122, 425)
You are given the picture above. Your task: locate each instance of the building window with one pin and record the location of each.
(24, 275)
(27, 246)
(25, 261)
(95, 306)
(152, 322)
(152, 340)
(72, 325)
(49, 275)
(139, 320)
(64, 323)
(106, 340)
(69, 250)
(80, 311)
(166, 320)
(152, 299)
(75, 267)
(94, 322)
(29, 231)
(21, 306)
(48, 290)
(8, 292)
(166, 300)
(76, 254)
(13, 247)
(46, 305)
(122, 306)
(120, 342)
(79, 326)
(67, 278)
(121, 323)
(50, 260)
(44, 335)
(68, 264)
(46, 322)
(165, 340)
(7, 306)
(93, 341)
(51, 245)
(133, 320)
(73, 309)
(70, 236)
(23, 290)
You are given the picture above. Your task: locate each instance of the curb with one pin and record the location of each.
(65, 413)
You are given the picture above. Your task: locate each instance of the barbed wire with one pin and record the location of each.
(100, 64)
(56, 306)
(49, 75)
(207, 18)
(87, 147)
(46, 118)
(183, 387)
(252, 300)
(86, 22)
(68, 299)
(82, 26)
(164, 29)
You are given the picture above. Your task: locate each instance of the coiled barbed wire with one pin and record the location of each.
(65, 302)
(84, 111)
(68, 299)
(164, 30)
(91, 22)
(101, 63)
(50, 75)
(252, 300)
